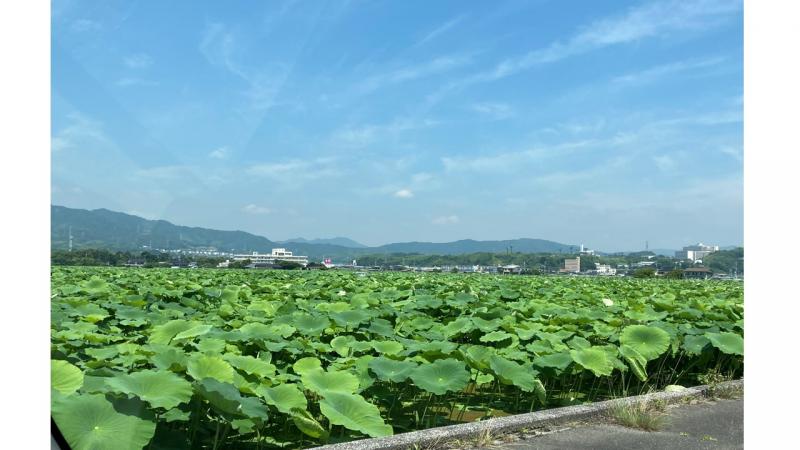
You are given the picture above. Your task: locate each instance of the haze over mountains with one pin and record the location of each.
(102, 228)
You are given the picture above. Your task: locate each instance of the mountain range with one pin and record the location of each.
(102, 228)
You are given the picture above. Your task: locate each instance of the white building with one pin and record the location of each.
(605, 269)
(697, 251)
(278, 254)
(586, 251)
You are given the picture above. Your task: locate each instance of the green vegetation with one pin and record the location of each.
(259, 359)
(642, 415)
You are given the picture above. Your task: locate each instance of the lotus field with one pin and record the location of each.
(247, 359)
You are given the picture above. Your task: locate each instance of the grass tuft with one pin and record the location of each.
(642, 416)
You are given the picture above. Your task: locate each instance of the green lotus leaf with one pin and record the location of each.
(354, 413)
(204, 366)
(459, 326)
(163, 334)
(256, 330)
(210, 345)
(559, 361)
(306, 423)
(635, 360)
(250, 365)
(495, 336)
(64, 377)
(343, 344)
(728, 343)
(310, 325)
(304, 365)
(694, 344)
(161, 389)
(477, 356)
(441, 376)
(90, 422)
(102, 353)
(486, 325)
(387, 347)
(351, 318)
(226, 398)
(578, 343)
(594, 360)
(391, 370)
(510, 372)
(323, 382)
(176, 415)
(649, 342)
(284, 397)
(197, 330)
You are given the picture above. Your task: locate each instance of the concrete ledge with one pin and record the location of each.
(550, 417)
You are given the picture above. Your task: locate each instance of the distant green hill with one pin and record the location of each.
(104, 229)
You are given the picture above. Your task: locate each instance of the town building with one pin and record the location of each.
(605, 269)
(278, 254)
(697, 273)
(572, 265)
(586, 251)
(695, 252)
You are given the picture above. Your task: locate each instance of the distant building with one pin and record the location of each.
(511, 268)
(605, 269)
(278, 254)
(644, 264)
(586, 251)
(695, 252)
(697, 273)
(572, 265)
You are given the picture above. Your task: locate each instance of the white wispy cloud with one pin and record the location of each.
(220, 153)
(665, 163)
(440, 30)
(657, 19)
(359, 136)
(495, 111)
(138, 61)
(220, 48)
(446, 220)
(296, 172)
(658, 72)
(255, 209)
(167, 173)
(734, 152)
(412, 72)
(506, 161)
(81, 129)
(404, 193)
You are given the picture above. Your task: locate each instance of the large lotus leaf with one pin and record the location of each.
(256, 330)
(387, 347)
(354, 413)
(163, 334)
(306, 423)
(226, 398)
(161, 389)
(343, 344)
(391, 370)
(477, 356)
(433, 347)
(559, 361)
(510, 372)
(204, 366)
(89, 422)
(307, 364)
(636, 361)
(284, 397)
(64, 377)
(210, 345)
(323, 382)
(486, 325)
(729, 343)
(197, 330)
(310, 325)
(593, 359)
(248, 364)
(578, 343)
(495, 336)
(101, 353)
(350, 319)
(458, 326)
(441, 376)
(694, 344)
(650, 342)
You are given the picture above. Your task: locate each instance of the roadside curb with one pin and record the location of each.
(556, 416)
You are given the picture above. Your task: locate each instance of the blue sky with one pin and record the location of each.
(604, 123)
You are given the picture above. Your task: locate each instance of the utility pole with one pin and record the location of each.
(70, 238)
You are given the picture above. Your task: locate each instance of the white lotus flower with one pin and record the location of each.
(342, 293)
(608, 302)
